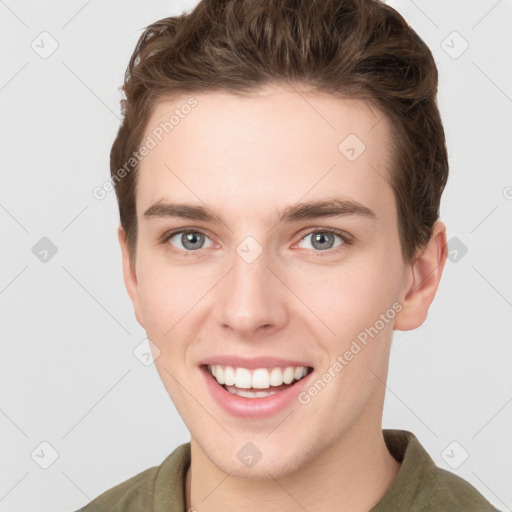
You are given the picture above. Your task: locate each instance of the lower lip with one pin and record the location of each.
(253, 407)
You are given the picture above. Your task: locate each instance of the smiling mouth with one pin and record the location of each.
(257, 383)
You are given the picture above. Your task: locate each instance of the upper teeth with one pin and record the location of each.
(261, 378)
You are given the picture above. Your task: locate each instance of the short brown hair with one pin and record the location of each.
(359, 49)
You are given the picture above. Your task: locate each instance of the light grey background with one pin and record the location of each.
(68, 373)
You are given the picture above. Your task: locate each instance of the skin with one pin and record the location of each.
(246, 157)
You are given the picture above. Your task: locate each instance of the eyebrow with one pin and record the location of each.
(335, 207)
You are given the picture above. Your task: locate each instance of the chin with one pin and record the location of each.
(270, 464)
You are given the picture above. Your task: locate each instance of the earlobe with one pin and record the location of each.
(129, 275)
(423, 281)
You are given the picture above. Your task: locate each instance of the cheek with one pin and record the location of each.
(171, 298)
(157, 299)
(352, 298)
(343, 299)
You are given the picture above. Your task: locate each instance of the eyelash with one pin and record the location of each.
(347, 240)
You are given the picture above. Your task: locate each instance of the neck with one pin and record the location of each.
(352, 475)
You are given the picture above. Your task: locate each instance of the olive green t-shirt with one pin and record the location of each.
(419, 486)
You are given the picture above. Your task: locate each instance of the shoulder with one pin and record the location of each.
(447, 491)
(422, 486)
(131, 494)
(140, 492)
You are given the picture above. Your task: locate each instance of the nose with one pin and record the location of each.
(251, 300)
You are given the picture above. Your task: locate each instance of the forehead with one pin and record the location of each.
(277, 145)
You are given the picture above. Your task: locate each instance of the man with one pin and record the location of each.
(279, 171)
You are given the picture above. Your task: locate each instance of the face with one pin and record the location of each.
(269, 280)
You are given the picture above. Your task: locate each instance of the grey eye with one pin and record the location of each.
(322, 240)
(190, 240)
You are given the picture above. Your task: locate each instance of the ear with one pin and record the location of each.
(423, 280)
(129, 275)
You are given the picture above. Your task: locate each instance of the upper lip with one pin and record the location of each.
(252, 362)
